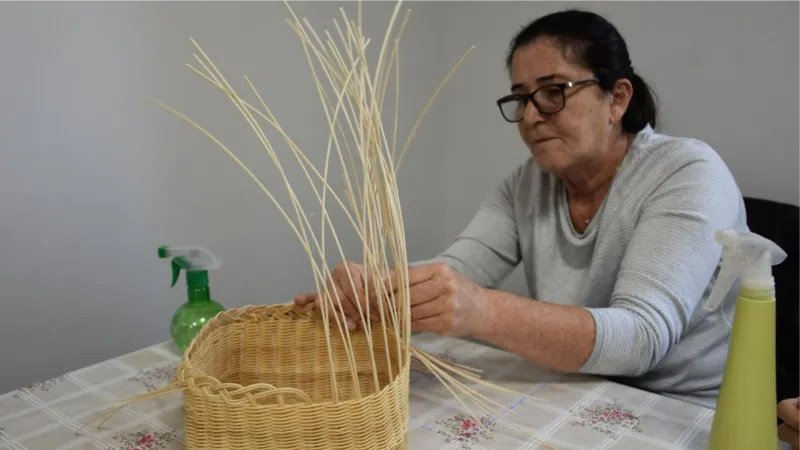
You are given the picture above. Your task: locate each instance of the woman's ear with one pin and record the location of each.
(621, 96)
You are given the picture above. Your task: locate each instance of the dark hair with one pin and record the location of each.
(593, 42)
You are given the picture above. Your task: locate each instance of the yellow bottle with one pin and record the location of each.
(745, 416)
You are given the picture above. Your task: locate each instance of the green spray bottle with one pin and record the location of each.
(745, 416)
(200, 307)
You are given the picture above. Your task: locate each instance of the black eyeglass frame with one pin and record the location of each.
(531, 97)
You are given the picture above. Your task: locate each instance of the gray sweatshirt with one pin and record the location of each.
(642, 268)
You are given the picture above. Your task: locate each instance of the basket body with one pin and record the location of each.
(240, 370)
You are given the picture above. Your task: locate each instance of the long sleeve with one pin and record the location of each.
(666, 269)
(487, 251)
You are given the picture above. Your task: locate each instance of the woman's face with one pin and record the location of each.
(573, 136)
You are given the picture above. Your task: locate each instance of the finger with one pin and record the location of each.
(326, 303)
(345, 301)
(419, 274)
(350, 282)
(348, 322)
(336, 295)
(425, 292)
(789, 412)
(431, 324)
(334, 301)
(379, 309)
(416, 275)
(426, 310)
(304, 299)
(789, 435)
(385, 307)
(421, 292)
(335, 313)
(380, 300)
(352, 305)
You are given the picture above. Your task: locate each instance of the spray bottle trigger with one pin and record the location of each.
(191, 259)
(745, 256)
(176, 271)
(722, 285)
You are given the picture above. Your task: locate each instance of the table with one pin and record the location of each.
(580, 412)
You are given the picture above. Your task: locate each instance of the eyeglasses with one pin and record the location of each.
(548, 99)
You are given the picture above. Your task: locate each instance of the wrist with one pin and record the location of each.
(485, 318)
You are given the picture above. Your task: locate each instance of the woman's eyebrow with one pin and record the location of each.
(546, 78)
(542, 79)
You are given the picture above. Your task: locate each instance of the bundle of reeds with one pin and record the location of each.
(276, 377)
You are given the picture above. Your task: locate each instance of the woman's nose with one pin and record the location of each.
(530, 114)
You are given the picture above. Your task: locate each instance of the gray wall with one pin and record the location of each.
(93, 179)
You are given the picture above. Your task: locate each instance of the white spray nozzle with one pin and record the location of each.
(198, 257)
(744, 254)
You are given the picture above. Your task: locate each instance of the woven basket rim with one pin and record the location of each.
(243, 401)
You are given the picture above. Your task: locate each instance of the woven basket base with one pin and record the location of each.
(227, 408)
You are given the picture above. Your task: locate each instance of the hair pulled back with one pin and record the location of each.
(593, 42)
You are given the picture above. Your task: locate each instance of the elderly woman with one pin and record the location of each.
(613, 223)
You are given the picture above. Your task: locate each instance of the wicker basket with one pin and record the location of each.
(259, 377)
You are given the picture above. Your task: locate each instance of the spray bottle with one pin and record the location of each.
(200, 307)
(745, 417)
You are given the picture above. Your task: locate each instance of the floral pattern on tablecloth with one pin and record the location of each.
(155, 378)
(466, 430)
(41, 386)
(145, 441)
(609, 418)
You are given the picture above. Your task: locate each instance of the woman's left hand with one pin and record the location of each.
(443, 301)
(789, 412)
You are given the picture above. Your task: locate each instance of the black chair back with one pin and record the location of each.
(780, 223)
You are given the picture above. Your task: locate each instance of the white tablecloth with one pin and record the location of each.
(581, 412)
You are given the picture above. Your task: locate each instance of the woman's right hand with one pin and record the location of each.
(347, 281)
(789, 413)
